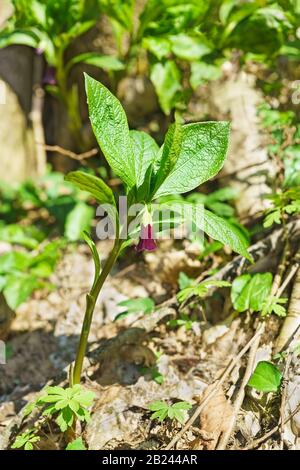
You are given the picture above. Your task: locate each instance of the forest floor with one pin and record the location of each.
(141, 359)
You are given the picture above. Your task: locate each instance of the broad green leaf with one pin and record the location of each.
(110, 126)
(29, 237)
(202, 72)
(166, 80)
(78, 220)
(225, 9)
(224, 194)
(18, 288)
(77, 444)
(93, 185)
(203, 151)
(260, 287)
(144, 304)
(221, 230)
(249, 292)
(22, 38)
(106, 62)
(240, 302)
(145, 150)
(265, 378)
(170, 153)
(189, 47)
(185, 281)
(14, 261)
(159, 46)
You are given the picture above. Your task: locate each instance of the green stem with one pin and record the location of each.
(91, 300)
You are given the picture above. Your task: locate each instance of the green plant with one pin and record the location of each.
(154, 373)
(284, 203)
(191, 154)
(283, 130)
(77, 444)
(253, 292)
(23, 272)
(199, 289)
(27, 439)
(183, 320)
(51, 27)
(64, 405)
(143, 305)
(265, 378)
(161, 410)
(183, 43)
(217, 202)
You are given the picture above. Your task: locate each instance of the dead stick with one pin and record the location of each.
(241, 393)
(284, 396)
(214, 389)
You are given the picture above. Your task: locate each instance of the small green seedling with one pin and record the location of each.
(27, 440)
(199, 290)
(252, 292)
(64, 405)
(142, 305)
(284, 203)
(183, 320)
(162, 410)
(265, 378)
(154, 374)
(153, 371)
(77, 444)
(274, 305)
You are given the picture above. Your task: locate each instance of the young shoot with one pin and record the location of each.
(191, 154)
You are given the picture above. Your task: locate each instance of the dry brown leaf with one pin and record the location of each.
(213, 419)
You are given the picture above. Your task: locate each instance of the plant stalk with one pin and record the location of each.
(91, 300)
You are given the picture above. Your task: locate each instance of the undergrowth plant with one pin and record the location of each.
(162, 410)
(51, 27)
(182, 44)
(178, 44)
(64, 406)
(191, 154)
(31, 213)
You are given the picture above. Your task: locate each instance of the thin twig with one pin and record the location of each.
(241, 393)
(287, 280)
(214, 389)
(68, 153)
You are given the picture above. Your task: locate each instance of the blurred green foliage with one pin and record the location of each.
(37, 219)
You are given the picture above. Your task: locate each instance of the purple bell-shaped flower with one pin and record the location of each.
(146, 241)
